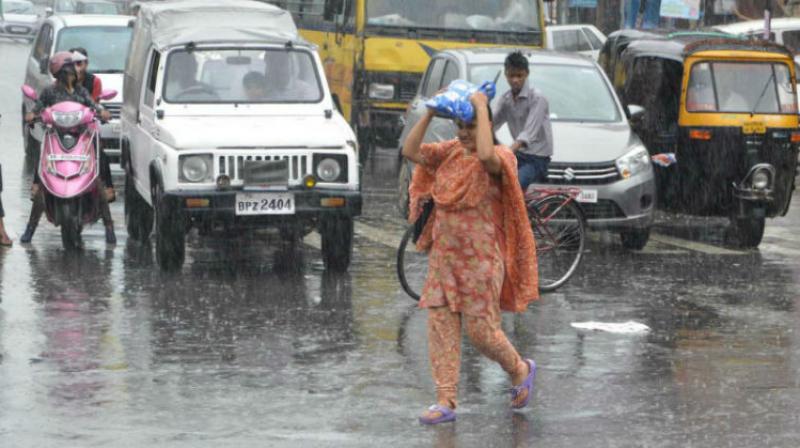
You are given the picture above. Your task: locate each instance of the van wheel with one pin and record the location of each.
(170, 233)
(337, 242)
(635, 239)
(138, 214)
(748, 232)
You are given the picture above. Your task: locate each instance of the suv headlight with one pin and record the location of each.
(330, 167)
(196, 168)
(633, 163)
(67, 119)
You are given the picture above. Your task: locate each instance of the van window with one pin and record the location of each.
(241, 75)
(570, 40)
(434, 78)
(593, 39)
(152, 77)
(450, 74)
(42, 49)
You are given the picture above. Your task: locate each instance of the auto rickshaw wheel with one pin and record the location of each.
(748, 232)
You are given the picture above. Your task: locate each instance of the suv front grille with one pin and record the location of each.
(582, 174)
(232, 165)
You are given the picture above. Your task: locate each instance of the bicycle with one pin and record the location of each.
(559, 230)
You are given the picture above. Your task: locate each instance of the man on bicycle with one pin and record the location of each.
(528, 116)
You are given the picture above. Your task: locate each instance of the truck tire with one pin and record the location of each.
(138, 214)
(337, 242)
(170, 234)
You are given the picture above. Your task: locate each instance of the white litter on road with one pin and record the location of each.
(629, 327)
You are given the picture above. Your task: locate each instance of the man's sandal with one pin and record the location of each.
(521, 394)
(437, 414)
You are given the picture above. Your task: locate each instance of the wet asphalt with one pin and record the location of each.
(251, 345)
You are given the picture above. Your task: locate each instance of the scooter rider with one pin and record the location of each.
(94, 86)
(65, 88)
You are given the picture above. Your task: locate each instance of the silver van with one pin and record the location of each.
(594, 147)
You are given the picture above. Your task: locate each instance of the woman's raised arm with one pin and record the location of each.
(414, 139)
(484, 141)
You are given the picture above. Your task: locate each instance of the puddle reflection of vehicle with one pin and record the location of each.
(76, 317)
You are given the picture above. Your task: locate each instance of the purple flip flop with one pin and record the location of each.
(526, 386)
(437, 414)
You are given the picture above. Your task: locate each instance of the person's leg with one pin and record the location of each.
(37, 209)
(541, 164)
(105, 175)
(105, 213)
(652, 14)
(487, 336)
(631, 13)
(444, 350)
(4, 239)
(526, 171)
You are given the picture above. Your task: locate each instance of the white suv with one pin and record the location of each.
(229, 125)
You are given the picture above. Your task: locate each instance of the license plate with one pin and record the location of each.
(18, 29)
(754, 128)
(265, 204)
(589, 196)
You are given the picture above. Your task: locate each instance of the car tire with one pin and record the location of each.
(138, 214)
(170, 233)
(635, 239)
(748, 232)
(337, 242)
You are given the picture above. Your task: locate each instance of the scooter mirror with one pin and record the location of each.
(108, 94)
(29, 92)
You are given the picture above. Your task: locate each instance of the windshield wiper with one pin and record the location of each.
(763, 92)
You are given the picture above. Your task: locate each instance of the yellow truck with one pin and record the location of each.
(375, 51)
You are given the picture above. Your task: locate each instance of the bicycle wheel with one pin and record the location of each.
(559, 229)
(412, 265)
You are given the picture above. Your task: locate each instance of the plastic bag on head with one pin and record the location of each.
(454, 102)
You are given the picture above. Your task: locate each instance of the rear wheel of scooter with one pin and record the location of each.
(138, 214)
(70, 222)
(170, 233)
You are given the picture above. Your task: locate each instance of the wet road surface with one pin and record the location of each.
(251, 345)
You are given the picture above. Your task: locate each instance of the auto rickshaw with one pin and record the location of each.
(727, 108)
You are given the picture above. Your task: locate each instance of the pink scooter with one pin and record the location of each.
(69, 166)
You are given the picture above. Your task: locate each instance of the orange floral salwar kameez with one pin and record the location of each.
(481, 257)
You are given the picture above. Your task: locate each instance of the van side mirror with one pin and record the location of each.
(332, 8)
(48, 11)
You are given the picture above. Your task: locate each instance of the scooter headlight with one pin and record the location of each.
(68, 119)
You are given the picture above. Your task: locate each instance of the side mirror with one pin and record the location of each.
(44, 65)
(107, 94)
(48, 11)
(337, 103)
(635, 112)
(332, 8)
(29, 92)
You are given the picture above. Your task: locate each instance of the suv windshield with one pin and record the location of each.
(479, 15)
(12, 7)
(107, 45)
(241, 75)
(745, 87)
(558, 83)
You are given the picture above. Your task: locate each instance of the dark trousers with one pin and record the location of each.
(531, 169)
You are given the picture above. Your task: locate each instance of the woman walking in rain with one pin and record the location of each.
(482, 257)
